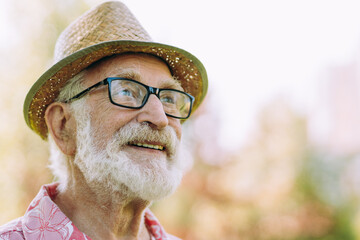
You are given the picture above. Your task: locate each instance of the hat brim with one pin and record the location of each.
(184, 66)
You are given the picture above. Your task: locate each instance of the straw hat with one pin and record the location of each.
(108, 29)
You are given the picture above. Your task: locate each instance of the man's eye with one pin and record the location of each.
(168, 99)
(126, 92)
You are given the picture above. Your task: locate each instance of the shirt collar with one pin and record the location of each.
(44, 219)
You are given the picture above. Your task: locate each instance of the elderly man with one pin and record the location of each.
(111, 107)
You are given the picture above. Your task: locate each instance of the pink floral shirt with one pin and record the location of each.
(44, 220)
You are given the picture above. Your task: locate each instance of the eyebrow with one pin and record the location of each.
(171, 83)
(126, 73)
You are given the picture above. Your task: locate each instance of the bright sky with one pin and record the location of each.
(255, 50)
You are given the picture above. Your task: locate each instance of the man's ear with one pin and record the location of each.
(62, 127)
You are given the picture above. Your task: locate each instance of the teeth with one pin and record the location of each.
(157, 147)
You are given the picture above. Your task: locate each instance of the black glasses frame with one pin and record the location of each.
(150, 90)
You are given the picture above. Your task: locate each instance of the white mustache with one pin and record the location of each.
(143, 133)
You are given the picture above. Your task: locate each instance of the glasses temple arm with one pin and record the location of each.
(82, 93)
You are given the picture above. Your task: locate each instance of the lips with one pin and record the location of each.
(147, 145)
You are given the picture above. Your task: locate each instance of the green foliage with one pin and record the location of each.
(317, 173)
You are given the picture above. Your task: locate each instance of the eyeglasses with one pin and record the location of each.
(132, 94)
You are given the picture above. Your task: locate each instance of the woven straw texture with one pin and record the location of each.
(103, 31)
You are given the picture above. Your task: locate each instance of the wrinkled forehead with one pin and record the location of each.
(141, 67)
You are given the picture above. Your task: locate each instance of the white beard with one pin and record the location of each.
(112, 169)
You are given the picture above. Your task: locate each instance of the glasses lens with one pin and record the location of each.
(127, 93)
(175, 103)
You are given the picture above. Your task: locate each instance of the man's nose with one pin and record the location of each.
(153, 113)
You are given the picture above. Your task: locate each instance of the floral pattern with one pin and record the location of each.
(44, 220)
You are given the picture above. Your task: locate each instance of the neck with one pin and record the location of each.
(101, 213)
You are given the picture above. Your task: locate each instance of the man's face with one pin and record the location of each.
(109, 137)
(109, 118)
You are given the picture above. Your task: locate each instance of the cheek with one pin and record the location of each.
(107, 120)
(101, 124)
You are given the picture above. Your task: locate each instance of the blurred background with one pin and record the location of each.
(276, 143)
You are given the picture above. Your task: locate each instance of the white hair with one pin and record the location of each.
(58, 160)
